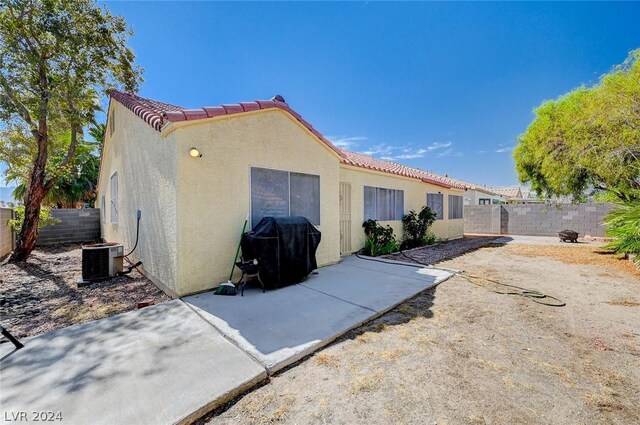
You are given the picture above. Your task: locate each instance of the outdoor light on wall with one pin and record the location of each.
(195, 153)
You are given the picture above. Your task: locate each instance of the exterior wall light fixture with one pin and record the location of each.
(195, 153)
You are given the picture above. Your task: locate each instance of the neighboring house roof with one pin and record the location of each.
(157, 114)
(509, 192)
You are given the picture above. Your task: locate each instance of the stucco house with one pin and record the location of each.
(195, 175)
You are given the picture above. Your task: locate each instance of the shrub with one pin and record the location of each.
(623, 224)
(415, 227)
(429, 239)
(46, 219)
(380, 240)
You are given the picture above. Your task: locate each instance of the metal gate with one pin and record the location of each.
(345, 218)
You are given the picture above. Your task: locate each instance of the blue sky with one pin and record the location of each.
(442, 86)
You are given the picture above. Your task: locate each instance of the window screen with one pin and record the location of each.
(269, 194)
(386, 204)
(455, 207)
(383, 204)
(276, 193)
(114, 198)
(435, 203)
(369, 203)
(305, 196)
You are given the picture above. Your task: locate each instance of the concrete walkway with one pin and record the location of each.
(172, 362)
(158, 365)
(279, 327)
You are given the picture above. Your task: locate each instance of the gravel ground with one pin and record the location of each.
(462, 354)
(441, 251)
(42, 294)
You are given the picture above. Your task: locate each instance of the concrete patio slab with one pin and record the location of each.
(281, 326)
(378, 286)
(159, 365)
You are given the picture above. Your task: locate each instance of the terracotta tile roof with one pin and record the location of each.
(509, 192)
(365, 161)
(157, 114)
(151, 111)
(476, 186)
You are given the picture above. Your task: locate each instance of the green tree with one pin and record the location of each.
(72, 189)
(56, 57)
(588, 139)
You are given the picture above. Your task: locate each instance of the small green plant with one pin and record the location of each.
(380, 240)
(416, 226)
(46, 219)
(429, 239)
(623, 224)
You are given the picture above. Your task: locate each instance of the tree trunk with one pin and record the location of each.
(36, 192)
(28, 235)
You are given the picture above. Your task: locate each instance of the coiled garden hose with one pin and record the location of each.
(531, 294)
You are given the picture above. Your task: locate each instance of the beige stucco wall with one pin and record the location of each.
(193, 209)
(214, 190)
(6, 235)
(415, 197)
(147, 175)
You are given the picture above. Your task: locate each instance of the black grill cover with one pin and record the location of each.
(285, 248)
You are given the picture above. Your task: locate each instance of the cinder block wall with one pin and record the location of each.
(6, 235)
(76, 225)
(536, 219)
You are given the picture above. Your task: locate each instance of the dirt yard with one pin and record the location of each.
(461, 354)
(42, 294)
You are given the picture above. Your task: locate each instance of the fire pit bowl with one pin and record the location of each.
(568, 236)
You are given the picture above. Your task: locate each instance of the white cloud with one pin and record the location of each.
(346, 142)
(504, 147)
(436, 145)
(391, 152)
(411, 155)
(481, 151)
(449, 152)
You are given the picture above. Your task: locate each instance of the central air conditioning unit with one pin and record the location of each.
(101, 260)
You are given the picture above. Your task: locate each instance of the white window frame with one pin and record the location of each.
(114, 197)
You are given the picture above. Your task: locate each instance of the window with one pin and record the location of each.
(484, 201)
(455, 207)
(383, 204)
(114, 198)
(435, 201)
(103, 209)
(276, 193)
